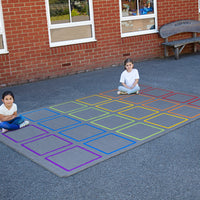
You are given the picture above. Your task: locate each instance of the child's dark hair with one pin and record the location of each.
(8, 93)
(127, 61)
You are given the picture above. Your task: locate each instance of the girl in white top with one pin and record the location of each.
(129, 79)
(8, 114)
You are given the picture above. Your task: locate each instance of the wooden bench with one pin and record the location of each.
(181, 26)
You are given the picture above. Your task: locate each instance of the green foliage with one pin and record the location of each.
(59, 12)
(57, 1)
(74, 12)
(63, 17)
(61, 7)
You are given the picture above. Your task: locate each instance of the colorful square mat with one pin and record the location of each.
(72, 136)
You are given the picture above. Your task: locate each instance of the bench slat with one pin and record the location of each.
(179, 26)
(179, 43)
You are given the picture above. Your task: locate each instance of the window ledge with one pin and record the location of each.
(4, 52)
(138, 33)
(65, 43)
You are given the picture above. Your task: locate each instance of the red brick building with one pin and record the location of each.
(41, 39)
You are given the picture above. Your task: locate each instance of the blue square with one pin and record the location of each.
(109, 143)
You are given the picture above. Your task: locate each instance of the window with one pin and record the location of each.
(199, 9)
(3, 46)
(138, 17)
(70, 21)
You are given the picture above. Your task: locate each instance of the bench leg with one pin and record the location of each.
(176, 53)
(195, 47)
(166, 51)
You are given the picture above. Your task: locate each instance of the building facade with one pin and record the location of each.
(42, 39)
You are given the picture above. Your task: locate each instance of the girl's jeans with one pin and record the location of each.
(129, 91)
(12, 124)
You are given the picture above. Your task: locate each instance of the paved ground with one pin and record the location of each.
(167, 168)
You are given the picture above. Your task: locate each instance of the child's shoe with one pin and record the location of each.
(3, 130)
(23, 124)
(137, 92)
(121, 92)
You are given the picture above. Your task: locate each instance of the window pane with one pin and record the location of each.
(79, 10)
(138, 25)
(59, 11)
(199, 5)
(146, 7)
(129, 7)
(137, 7)
(199, 10)
(71, 33)
(1, 42)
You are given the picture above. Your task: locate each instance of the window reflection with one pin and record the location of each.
(59, 11)
(137, 7)
(138, 25)
(1, 42)
(65, 11)
(199, 10)
(64, 34)
(80, 10)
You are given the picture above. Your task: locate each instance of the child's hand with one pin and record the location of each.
(14, 115)
(7, 117)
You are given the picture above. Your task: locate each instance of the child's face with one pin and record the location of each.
(8, 101)
(129, 66)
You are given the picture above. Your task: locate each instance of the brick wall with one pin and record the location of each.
(30, 58)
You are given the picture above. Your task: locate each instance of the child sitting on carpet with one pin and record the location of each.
(129, 79)
(8, 114)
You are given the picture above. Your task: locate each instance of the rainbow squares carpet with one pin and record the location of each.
(74, 135)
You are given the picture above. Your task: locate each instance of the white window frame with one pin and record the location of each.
(71, 24)
(2, 31)
(131, 18)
